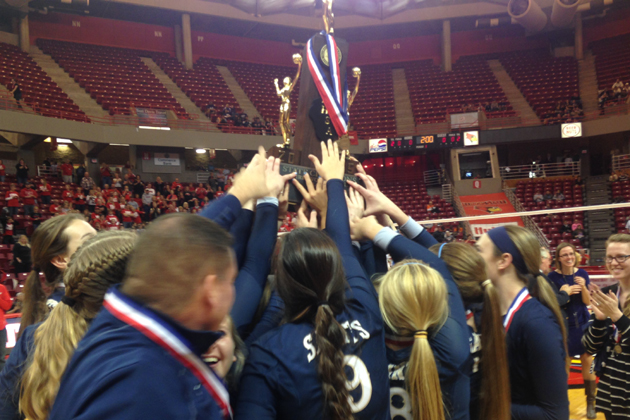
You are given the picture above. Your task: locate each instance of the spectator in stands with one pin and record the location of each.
(79, 200)
(7, 238)
(17, 305)
(613, 177)
(494, 105)
(579, 235)
(87, 183)
(36, 217)
(566, 227)
(3, 170)
(21, 172)
(558, 196)
(12, 198)
(106, 175)
(80, 172)
(29, 195)
(617, 88)
(137, 186)
(538, 197)
(16, 91)
(448, 236)
(66, 172)
(22, 256)
(54, 169)
(176, 185)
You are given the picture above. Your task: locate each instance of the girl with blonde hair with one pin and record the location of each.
(413, 301)
(41, 355)
(489, 382)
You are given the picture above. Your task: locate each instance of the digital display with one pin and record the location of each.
(400, 144)
(438, 141)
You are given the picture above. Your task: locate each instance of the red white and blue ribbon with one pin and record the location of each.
(177, 346)
(333, 93)
(521, 298)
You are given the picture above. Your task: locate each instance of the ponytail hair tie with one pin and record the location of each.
(322, 303)
(69, 301)
(440, 251)
(485, 284)
(420, 334)
(36, 268)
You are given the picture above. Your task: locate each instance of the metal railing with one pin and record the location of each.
(527, 220)
(202, 177)
(433, 178)
(459, 210)
(541, 170)
(447, 192)
(43, 170)
(620, 162)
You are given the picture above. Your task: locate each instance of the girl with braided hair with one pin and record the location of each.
(44, 350)
(327, 361)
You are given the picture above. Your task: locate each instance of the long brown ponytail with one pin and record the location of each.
(49, 240)
(414, 303)
(469, 272)
(528, 246)
(311, 281)
(98, 264)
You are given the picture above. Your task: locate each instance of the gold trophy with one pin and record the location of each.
(285, 105)
(344, 141)
(329, 17)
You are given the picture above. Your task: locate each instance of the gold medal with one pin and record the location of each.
(323, 54)
(618, 349)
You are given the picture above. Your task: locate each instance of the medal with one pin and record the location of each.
(618, 349)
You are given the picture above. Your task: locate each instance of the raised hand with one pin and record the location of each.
(275, 181)
(315, 196)
(376, 202)
(251, 182)
(364, 229)
(606, 304)
(283, 203)
(356, 204)
(360, 168)
(333, 165)
(304, 218)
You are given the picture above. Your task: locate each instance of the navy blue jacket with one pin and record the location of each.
(451, 344)
(11, 374)
(119, 373)
(536, 356)
(280, 378)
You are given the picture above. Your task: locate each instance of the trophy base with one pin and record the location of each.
(285, 154)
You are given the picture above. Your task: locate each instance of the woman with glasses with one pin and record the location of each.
(609, 331)
(574, 281)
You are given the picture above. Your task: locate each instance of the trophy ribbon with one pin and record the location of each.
(333, 94)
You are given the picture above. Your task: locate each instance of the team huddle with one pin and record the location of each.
(212, 316)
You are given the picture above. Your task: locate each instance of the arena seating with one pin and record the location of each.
(542, 79)
(373, 114)
(435, 94)
(203, 85)
(39, 92)
(115, 77)
(412, 198)
(621, 193)
(612, 60)
(551, 225)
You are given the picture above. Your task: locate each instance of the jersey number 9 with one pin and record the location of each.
(360, 376)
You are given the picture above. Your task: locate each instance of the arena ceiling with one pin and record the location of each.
(282, 20)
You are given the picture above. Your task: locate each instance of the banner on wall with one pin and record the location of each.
(152, 117)
(166, 159)
(486, 204)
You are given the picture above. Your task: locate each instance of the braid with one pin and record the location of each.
(330, 338)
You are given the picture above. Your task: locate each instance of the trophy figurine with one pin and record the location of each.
(329, 17)
(356, 73)
(285, 105)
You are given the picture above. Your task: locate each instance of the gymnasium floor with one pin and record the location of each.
(577, 405)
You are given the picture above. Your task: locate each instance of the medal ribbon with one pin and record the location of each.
(163, 335)
(521, 298)
(333, 94)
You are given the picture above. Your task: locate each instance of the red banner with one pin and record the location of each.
(354, 138)
(486, 204)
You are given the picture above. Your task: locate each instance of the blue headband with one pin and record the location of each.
(503, 242)
(440, 251)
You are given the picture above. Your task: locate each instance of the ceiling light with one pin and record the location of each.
(200, 151)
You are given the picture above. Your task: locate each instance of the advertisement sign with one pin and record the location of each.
(485, 204)
(477, 184)
(148, 116)
(471, 138)
(166, 159)
(570, 130)
(465, 120)
(378, 145)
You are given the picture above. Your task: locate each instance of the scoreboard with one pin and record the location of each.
(424, 142)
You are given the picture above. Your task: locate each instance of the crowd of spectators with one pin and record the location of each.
(617, 94)
(566, 111)
(493, 106)
(229, 116)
